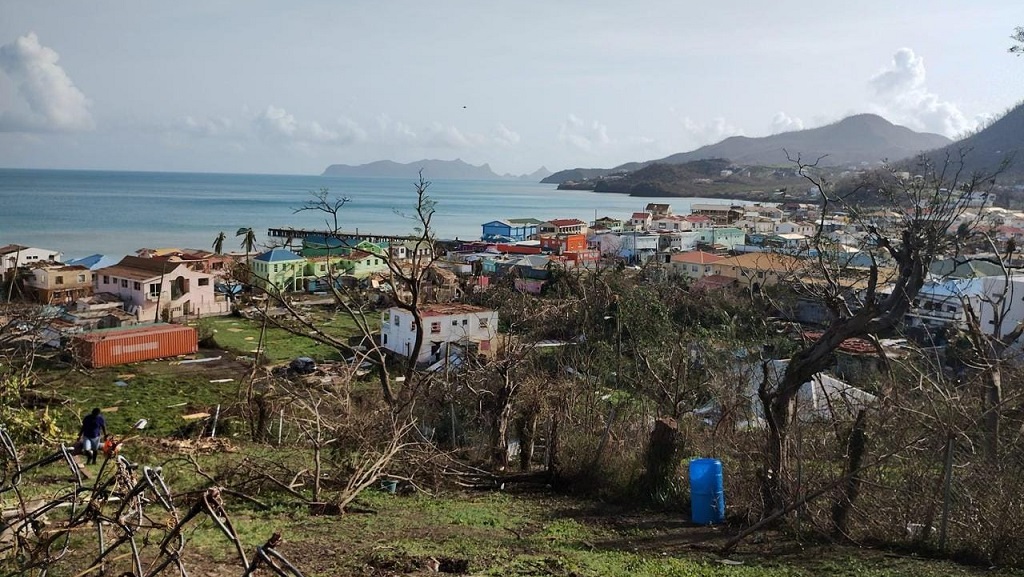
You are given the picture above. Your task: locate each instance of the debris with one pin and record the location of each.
(221, 380)
(177, 405)
(110, 409)
(140, 424)
(206, 360)
(120, 383)
(194, 416)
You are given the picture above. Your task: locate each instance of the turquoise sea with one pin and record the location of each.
(80, 212)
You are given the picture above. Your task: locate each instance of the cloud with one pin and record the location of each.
(211, 126)
(783, 122)
(55, 103)
(586, 136)
(708, 132)
(439, 135)
(505, 136)
(278, 125)
(394, 131)
(902, 96)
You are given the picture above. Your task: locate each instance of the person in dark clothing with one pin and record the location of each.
(93, 426)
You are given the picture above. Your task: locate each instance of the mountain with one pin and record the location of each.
(863, 138)
(854, 140)
(536, 176)
(432, 169)
(576, 174)
(986, 149)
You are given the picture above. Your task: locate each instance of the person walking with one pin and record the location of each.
(93, 425)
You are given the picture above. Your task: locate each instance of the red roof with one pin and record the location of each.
(566, 221)
(696, 257)
(698, 218)
(713, 282)
(641, 215)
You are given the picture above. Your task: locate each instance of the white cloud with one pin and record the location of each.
(708, 132)
(505, 136)
(903, 97)
(439, 135)
(783, 122)
(211, 126)
(55, 104)
(394, 131)
(278, 125)
(586, 136)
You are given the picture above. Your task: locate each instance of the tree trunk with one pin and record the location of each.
(662, 459)
(527, 428)
(993, 382)
(502, 419)
(857, 446)
(554, 464)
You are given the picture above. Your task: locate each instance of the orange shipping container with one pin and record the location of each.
(107, 348)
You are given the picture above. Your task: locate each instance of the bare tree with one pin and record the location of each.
(929, 203)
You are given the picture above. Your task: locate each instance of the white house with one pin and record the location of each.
(13, 256)
(941, 303)
(455, 323)
(796, 227)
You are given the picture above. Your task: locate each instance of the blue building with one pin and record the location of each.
(510, 230)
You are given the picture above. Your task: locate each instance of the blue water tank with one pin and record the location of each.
(707, 497)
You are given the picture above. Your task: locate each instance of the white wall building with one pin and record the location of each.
(461, 324)
(13, 256)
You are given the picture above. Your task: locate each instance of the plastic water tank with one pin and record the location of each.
(707, 497)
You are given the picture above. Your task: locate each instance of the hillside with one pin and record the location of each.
(700, 178)
(433, 169)
(863, 138)
(985, 150)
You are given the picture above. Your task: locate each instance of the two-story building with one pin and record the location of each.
(692, 264)
(14, 256)
(562, 226)
(156, 289)
(510, 229)
(278, 270)
(467, 326)
(58, 284)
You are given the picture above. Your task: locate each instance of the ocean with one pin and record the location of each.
(84, 212)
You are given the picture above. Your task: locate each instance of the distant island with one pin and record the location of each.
(433, 169)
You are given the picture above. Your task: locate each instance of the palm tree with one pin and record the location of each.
(218, 243)
(248, 243)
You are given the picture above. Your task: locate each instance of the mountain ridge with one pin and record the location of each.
(856, 139)
(433, 168)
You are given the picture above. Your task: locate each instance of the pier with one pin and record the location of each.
(300, 233)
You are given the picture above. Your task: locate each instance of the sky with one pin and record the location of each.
(262, 86)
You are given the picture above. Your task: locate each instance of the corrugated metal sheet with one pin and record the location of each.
(112, 347)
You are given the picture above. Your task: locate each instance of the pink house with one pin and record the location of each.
(155, 289)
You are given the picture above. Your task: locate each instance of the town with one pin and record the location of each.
(717, 246)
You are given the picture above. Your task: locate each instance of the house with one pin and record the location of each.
(693, 264)
(563, 226)
(563, 243)
(155, 289)
(670, 223)
(699, 221)
(58, 284)
(722, 214)
(658, 210)
(510, 229)
(724, 237)
(608, 224)
(361, 264)
(465, 325)
(796, 227)
(757, 269)
(634, 247)
(942, 304)
(278, 270)
(13, 256)
(640, 221)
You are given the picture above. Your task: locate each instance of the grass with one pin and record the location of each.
(241, 336)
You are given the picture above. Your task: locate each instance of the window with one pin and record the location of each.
(322, 268)
(397, 321)
(455, 323)
(81, 278)
(204, 282)
(124, 283)
(275, 268)
(154, 290)
(106, 279)
(137, 286)
(58, 280)
(465, 322)
(484, 322)
(435, 327)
